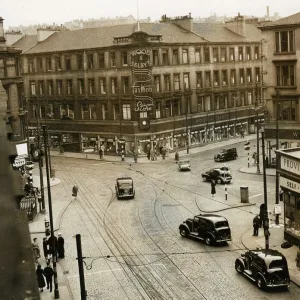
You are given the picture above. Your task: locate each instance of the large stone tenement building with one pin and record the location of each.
(171, 84)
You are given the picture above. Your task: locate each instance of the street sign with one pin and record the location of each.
(19, 162)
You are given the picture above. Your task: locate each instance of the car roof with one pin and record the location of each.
(268, 254)
(184, 161)
(214, 218)
(124, 179)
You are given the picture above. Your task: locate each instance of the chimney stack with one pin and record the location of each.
(2, 38)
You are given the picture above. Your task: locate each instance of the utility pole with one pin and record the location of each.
(56, 291)
(26, 126)
(257, 131)
(265, 219)
(277, 160)
(40, 157)
(186, 121)
(80, 267)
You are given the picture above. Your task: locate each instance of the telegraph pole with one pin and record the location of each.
(56, 291)
(277, 160)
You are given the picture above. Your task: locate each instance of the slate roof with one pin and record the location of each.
(217, 32)
(26, 42)
(103, 37)
(290, 20)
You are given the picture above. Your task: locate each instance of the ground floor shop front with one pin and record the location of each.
(290, 192)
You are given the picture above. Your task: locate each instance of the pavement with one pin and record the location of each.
(60, 205)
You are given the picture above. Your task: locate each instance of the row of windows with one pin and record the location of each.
(159, 58)
(205, 79)
(170, 108)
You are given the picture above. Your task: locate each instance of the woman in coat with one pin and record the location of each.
(213, 188)
(60, 246)
(40, 277)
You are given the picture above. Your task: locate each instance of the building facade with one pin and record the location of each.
(280, 44)
(11, 87)
(170, 84)
(290, 192)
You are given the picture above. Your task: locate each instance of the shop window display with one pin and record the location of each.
(292, 213)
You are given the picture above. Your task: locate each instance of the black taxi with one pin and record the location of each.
(124, 187)
(265, 267)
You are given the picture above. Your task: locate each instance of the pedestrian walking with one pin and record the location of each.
(213, 188)
(36, 250)
(75, 191)
(60, 246)
(101, 153)
(52, 244)
(48, 273)
(298, 258)
(45, 248)
(256, 223)
(40, 277)
(242, 132)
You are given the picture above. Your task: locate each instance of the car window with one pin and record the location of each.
(125, 184)
(221, 224)
(276, 264)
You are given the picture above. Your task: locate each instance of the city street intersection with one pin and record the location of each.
(133, 249)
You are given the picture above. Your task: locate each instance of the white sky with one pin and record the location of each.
(26, 12)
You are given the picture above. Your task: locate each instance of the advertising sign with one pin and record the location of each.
(142, 79)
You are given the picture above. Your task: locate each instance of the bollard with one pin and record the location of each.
(225, 191)
(244, 194)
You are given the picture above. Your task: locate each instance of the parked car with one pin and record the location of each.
(210, 228)
(184, 165)
(265, 267)
(29, 165)
(226, 154)
(124, 188)
(218, 175)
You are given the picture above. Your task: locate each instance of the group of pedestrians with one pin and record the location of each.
(52, 246)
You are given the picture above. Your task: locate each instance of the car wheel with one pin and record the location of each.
(204, 178)
(260, 282)
(219, 181)
(239, 267)
(234, 157)
(183, 232)
(208, 240)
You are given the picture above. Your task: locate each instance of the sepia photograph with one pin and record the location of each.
(150, 150)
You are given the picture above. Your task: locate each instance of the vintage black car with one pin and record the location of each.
(218, 175)
(265, 267)
(226, 154)
(124, 187)
(184, 165)
(208, 227)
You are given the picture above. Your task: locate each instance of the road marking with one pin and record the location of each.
(256, 195)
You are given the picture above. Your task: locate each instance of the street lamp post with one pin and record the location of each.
(257, 144)
(277, 160)
(265, 218)
(40, 157)
(56, 291)
(186, 122)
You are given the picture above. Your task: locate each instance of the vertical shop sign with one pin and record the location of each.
(142, 79)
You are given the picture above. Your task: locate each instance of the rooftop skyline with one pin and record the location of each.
(32, 12)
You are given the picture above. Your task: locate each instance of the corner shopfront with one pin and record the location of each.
(290, 192)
